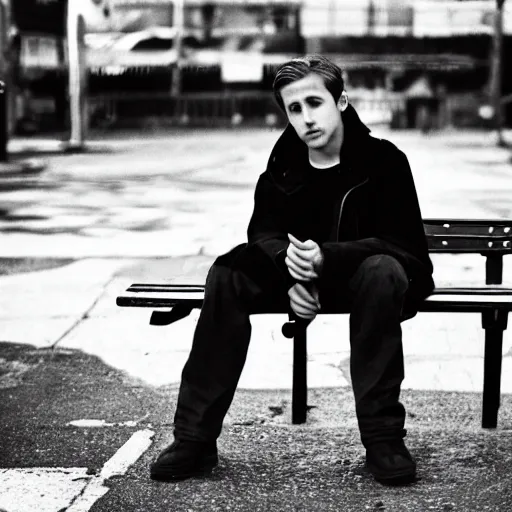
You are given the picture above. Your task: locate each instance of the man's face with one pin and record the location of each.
(312, 111)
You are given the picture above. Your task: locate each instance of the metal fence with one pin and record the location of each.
(259, 108)
(228, 108)
(205, 109)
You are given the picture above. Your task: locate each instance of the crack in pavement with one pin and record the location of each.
(86, 314)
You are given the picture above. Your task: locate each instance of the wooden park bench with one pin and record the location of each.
(490, 238)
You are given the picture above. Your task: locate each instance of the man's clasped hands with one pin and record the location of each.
(304, 261)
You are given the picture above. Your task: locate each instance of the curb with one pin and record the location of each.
(41, 148)
(15, 168)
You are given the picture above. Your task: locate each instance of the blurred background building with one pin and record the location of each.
(409, 63)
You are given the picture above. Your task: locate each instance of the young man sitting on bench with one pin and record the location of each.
(336, 226)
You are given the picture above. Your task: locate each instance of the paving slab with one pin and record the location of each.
(38, 308)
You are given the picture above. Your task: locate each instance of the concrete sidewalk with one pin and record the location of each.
(268, 463)
(29, 155)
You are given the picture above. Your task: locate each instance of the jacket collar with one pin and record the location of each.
(288, 164)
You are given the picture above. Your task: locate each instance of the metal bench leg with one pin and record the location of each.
(300, 386)
(494, 322)
(168, 317)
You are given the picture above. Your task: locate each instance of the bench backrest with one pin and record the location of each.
(471, 236)
(491, 238)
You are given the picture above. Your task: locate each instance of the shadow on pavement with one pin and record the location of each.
(11, 266)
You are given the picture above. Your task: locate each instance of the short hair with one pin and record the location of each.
(300, 67)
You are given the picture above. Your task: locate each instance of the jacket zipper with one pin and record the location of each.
(343, 204)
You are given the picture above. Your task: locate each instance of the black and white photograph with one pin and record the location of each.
(253, 255)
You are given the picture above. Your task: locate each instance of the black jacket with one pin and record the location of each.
(379, 214)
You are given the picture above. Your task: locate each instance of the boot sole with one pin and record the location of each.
(171, 475)
(397, 480)
(403, 478)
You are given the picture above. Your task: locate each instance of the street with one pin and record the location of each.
(88, 389)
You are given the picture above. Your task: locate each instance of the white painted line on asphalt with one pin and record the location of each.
(69, 489)
(89, 423)
(117, 465)
(40, 489)
(127, 454)
(93, 423)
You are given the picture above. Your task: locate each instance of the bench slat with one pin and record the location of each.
(465, 245)
(461, 225)
(167, 285)
(462, 299)
(476, 231)
(165, 289)
(466, 236)
(177, 290)
(494, 289)
(170, 300)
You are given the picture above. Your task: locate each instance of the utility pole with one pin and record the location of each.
(179, 24)
(495, 76)
(75, 32)
(5, 69)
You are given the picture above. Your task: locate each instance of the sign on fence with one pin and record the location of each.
(241, 67)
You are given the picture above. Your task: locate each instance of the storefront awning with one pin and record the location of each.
(191, 3)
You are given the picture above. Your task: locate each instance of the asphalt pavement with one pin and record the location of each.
(87, 389)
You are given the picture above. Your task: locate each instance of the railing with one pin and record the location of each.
(218, 108)
(206, 109)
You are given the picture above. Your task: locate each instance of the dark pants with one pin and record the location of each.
(243, 282)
